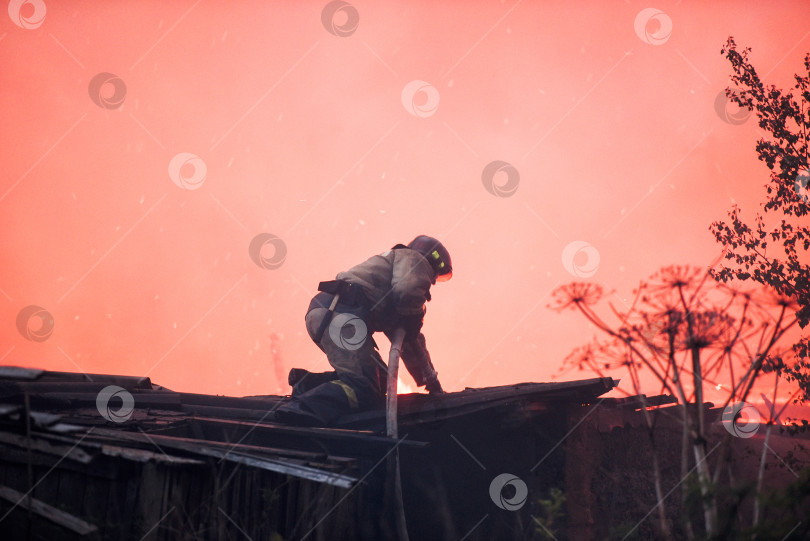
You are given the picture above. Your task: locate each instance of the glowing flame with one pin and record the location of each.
(405, 388)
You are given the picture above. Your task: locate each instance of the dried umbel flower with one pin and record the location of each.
(576, 294)
(679, 276)
(707, 327)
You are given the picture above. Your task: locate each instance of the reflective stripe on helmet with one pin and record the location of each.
(436, 254)
(440, 265)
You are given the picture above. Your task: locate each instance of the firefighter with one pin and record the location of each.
(385, 292)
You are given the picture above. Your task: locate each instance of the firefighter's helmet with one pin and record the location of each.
(435, 252)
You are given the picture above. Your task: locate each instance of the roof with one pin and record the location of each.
(156, 460)
(184, 428)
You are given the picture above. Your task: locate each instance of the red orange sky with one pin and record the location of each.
(299, 123)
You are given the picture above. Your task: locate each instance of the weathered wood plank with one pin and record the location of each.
(66, 520)
(18, 372)
(140, 455)
(193, 446)
(43, 446)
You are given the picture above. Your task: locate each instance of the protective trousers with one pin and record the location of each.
(352, 352)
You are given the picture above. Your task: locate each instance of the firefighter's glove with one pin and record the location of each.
(433, 386)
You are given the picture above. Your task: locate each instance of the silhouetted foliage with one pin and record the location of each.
(774, 249)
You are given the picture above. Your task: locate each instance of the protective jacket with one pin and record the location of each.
(397, 284)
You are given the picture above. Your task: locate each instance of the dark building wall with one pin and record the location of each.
(447, 485)
(610, 477)
(130, 500)
(601, 460)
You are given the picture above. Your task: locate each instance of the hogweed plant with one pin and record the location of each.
(688, 333)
